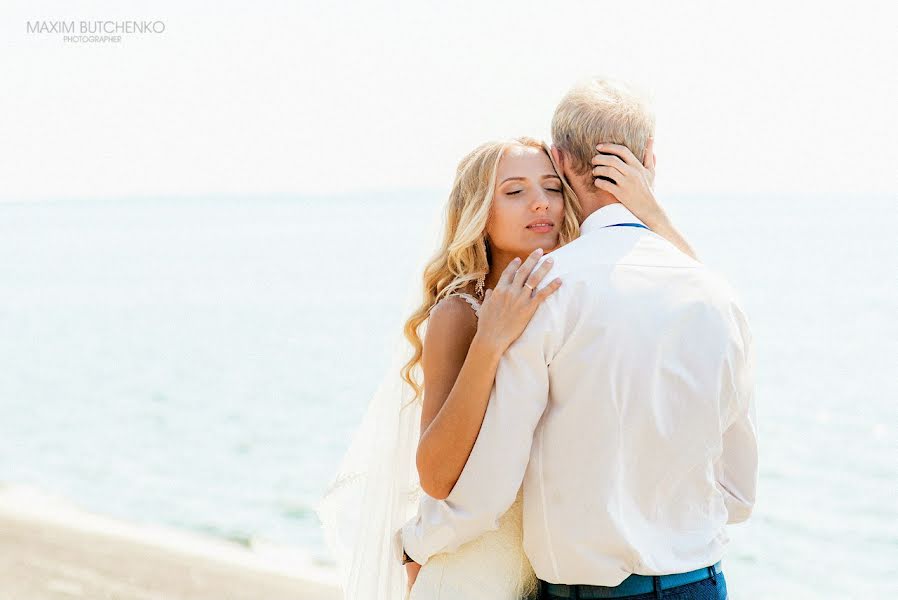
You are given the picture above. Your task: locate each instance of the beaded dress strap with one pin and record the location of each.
(474, 302)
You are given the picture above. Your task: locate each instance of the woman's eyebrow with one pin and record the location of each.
(525, 179)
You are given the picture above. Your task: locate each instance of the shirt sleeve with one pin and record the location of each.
(490, 480)
(737, 468)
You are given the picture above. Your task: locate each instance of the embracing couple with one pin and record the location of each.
(585, 424)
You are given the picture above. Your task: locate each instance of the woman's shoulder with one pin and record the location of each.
(454, 309)
(450, 330)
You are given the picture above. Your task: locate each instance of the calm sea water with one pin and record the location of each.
(202, 363)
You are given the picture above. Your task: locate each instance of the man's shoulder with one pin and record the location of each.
(598, 263)
(586, 255)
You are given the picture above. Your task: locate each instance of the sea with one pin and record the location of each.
(202, 362)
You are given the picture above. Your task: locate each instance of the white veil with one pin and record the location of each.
(375, 490)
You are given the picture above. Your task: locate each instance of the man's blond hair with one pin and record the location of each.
(601, 110)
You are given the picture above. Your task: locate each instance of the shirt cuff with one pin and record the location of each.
(399, 543)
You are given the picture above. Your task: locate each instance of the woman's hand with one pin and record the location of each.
(632, 186)
(508, 308)
(411, 570)
(632, 180)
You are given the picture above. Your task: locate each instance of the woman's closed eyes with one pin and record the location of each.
(555, 190)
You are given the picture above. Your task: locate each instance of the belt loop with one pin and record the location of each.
(656, 583)
(713, 574)
(575, 592)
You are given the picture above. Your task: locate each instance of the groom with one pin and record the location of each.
(626, 407)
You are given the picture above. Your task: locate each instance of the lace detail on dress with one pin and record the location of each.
(474, 302)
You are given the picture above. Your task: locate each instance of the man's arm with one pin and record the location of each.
(737, 468)
(489, 482)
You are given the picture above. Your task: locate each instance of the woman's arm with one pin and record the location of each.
(459, 371)
(661, 224)
(460, 358)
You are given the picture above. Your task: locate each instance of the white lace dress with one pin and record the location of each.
(491, 567)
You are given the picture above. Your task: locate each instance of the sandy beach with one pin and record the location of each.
(51, 551)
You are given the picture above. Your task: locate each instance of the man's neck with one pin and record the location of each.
(593, 201)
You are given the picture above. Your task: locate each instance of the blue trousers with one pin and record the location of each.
(712, 588)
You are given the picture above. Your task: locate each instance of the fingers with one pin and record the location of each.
(607, 186)
(537, 275)
(508, 274)
(610, 166)
(609, 160)
(610, 172)
(548, 290)
(524, 271)
(622, 151)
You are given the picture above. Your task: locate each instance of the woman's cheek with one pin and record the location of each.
(559, 207)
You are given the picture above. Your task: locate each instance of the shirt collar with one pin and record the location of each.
(612, 214)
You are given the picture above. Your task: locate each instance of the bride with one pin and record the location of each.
(508, 206)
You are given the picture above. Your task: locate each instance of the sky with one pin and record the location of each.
(323, 98)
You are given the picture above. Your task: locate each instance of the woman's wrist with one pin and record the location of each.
(658, 220)
(486, 346)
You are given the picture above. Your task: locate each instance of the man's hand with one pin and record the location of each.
(411, 570)
(632, 180)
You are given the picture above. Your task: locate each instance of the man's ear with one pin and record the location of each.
(649, 160)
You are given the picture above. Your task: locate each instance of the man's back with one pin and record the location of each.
(648, 361)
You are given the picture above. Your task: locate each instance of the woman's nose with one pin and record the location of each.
(541, 200)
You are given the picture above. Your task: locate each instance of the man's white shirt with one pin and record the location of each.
(626, 412)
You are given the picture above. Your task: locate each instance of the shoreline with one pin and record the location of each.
(51, 549)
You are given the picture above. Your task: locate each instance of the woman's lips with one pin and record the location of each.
(540, 228)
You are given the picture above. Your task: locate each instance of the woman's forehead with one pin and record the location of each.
(524, 160)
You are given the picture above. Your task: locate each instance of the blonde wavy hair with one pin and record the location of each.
(463, 255)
